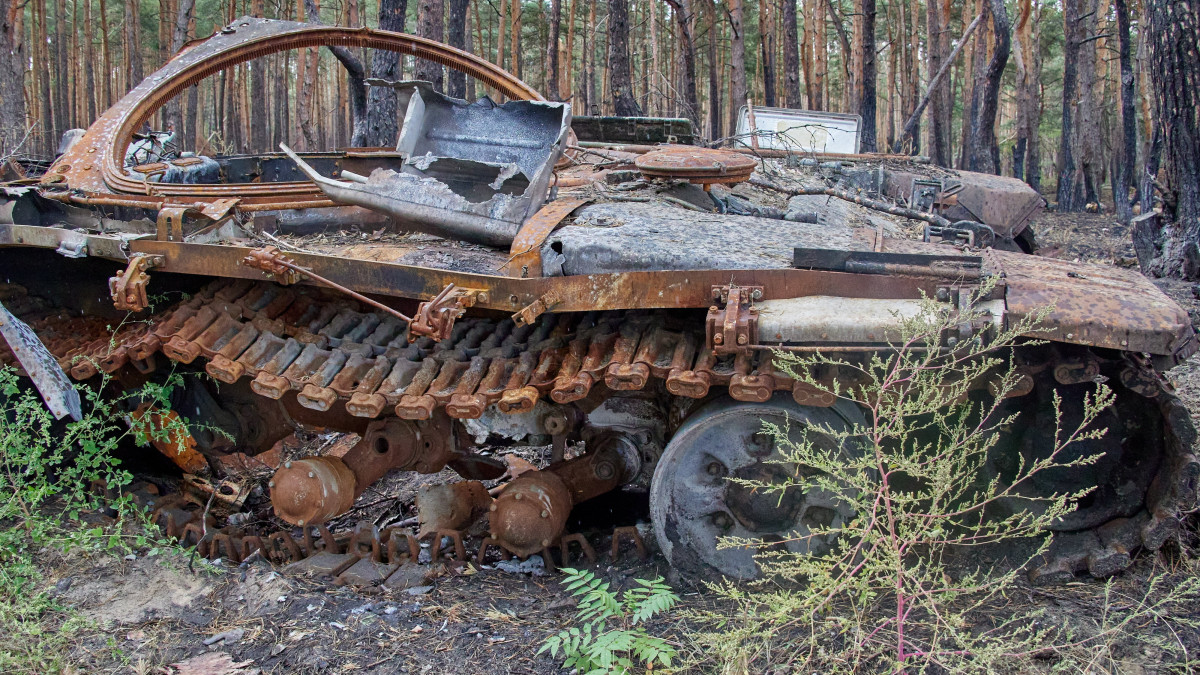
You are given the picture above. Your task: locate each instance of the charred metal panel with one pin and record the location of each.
(1095, 305)
(621, 237)
(606, 129)
(471, 171)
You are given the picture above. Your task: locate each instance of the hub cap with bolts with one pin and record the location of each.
(693, 500)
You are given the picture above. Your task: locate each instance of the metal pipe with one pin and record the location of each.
(766, 153)
(431, 220)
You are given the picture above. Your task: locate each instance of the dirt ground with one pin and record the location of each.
(152, 611)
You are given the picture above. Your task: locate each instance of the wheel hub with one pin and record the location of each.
(699, 494)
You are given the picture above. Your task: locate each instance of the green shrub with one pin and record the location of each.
(609, 632)
(48, 471)
(887, 598)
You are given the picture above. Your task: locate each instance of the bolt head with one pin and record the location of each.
(492, 507)
(312, 475)
(718, 339)
(517, 496)
(300, 522)
(545, 543)
(741, 339)
(271, 484)
(545, 513)
(715, 469)
(287, 465)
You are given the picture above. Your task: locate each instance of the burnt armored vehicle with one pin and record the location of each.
(493, 292)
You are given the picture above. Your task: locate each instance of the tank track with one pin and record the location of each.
(365, 555)
(330, 351)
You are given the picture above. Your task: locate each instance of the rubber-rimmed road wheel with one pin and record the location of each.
(693, 502)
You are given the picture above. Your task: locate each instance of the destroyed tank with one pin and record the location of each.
(494, 291)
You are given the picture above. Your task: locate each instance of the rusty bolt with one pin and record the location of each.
(546, 542)
(604, 470)
(756, 294)
(514, 299)
(713, 308)
(715, 469)
(718, 339)
(741, 339)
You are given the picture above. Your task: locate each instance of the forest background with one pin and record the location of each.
(1056, 92)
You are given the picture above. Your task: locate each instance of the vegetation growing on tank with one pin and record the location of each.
(915, 580)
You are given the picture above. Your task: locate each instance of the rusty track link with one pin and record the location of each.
(333, 351)
(330, 351)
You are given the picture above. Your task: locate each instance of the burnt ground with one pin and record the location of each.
(148, 611)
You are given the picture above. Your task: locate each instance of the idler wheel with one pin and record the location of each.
(312, 490)
(531, 513)
(693, 502)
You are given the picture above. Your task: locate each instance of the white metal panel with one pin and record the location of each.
(802, 130)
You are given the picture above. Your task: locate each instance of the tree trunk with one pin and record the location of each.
(737, 61)
(620, 78)
(867, 77)
(566, 85)
(552, 49)
(982, 153)
(13, 126)
(766, 44)
(714, 80)
(259, 142)
(500, 43)
(456, 36)
(1067, 187)
(173, 111)
(1172, 248)
(1087, 138)
(683, 9)
(1127, 155)
(383, 128)
(1026, 155)
(514, 36)
(106, 56)
(791, 56)
(430, 22)
(937, 19)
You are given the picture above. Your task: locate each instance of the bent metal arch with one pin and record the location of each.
(92, 171)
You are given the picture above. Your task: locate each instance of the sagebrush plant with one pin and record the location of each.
(48, 470)
(886, 598)
(609, 632)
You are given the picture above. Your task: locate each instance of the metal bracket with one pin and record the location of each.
(528, 314)
(734, 327)
(435, 318)
(525, 255)
(128, 290)
(170, 223)
(973, 234)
